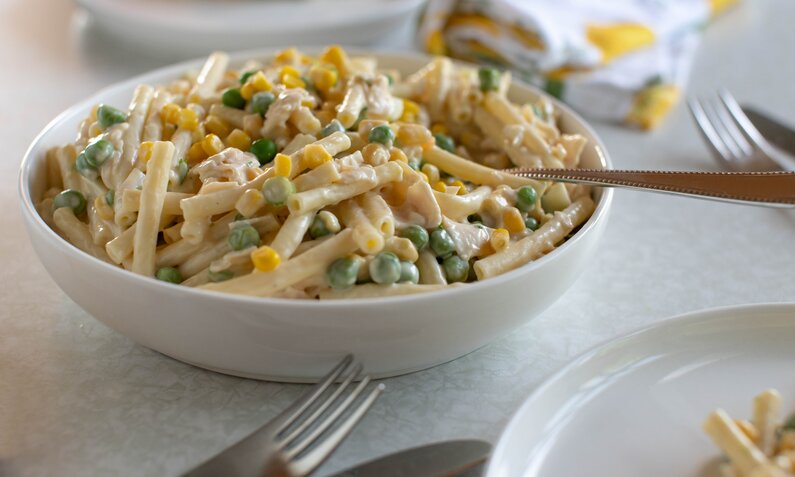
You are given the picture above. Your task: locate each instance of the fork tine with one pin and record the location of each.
(327, 421)
(304, 425)
(289, 415)
(731, 132)
(744, 124)
(710, 135)
(308, 462)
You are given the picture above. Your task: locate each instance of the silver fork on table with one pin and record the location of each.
(299, 439)
(733, 139)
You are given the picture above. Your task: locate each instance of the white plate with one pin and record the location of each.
(193, 27)
(634, 406)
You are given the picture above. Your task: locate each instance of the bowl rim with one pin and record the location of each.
(35, 220)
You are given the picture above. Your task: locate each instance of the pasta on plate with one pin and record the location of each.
(761, 447)
(317, 177)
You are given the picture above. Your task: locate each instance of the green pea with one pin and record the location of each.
(409, 273)
(245, 76)
(232, 98)
(418, 236)
(332, 127)
(70, 198)
(277, 189)
(261, 101)
(526, 198)
(243, 236)
(219, 276)
(531, 223)
(98, 152)
(382, 134)
(442, 243)
(264, 149)
(108, 116)
(318, 228)
(110, 197)
(169, 274)
(385, 268)
(455, 268)
(84, 168)
(445, 142)
(181, 170)
(489, 79)
(342, 272)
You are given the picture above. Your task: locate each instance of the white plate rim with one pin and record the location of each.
(26, 201)
(498, 455)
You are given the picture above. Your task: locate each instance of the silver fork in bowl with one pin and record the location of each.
(733, 139)
(299, 439)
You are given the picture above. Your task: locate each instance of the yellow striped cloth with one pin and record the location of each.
(620, 60)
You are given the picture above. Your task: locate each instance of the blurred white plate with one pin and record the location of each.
(199, 26)
(634, 406)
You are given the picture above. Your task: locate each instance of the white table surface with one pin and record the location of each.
(77, 398)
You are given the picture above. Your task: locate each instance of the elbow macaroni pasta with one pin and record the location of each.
(322, 178)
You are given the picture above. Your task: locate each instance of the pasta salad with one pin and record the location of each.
(761, 447)
(317, 177)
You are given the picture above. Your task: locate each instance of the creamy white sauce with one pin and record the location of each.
(230, 164)
(468, 238)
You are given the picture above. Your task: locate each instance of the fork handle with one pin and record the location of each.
(771, 189)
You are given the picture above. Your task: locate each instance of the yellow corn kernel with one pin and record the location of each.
(145, 151)
(396, 154)
(238, 139)
(314, 155)
(188, 119)
(512, 220)
(323, 78)
(336, 56)
(104, 211)
(265, 259)
(287, 55)
(93, 114)
(215, 125)
(260, 82)
(196, 153)
(250, 202)
(256, 83)
(500, 239)
(293, 82)
(440, 186)
(461, 187)
(170, 113)
(411, 111)
(282, 165)
(212, 144)
(247, 91)
(439, 128)
(414, 135)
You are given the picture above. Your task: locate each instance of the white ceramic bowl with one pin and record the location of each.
(295, 340)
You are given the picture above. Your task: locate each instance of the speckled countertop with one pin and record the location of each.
(79, 399)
